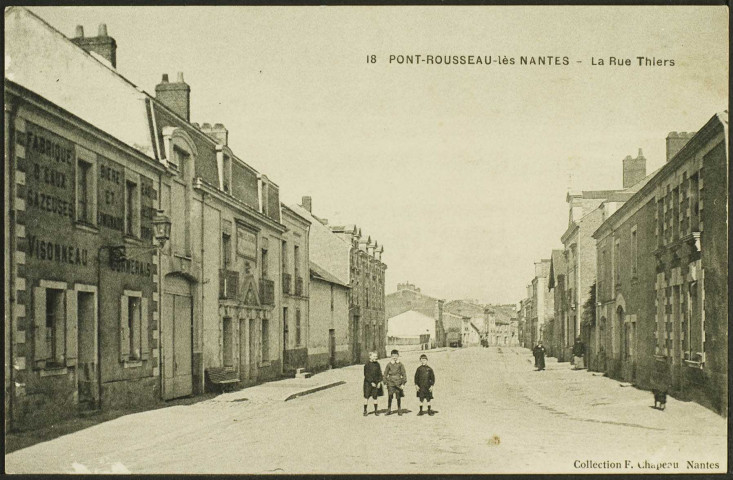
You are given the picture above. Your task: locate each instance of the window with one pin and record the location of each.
(55, 326)
(265, 340)
(85, 193)
(634, 253)
(226, 250)
(227, 339)
(332, 297)
(265, 261)
(132, 209)
(296, 260)
(284, 256)
(617, 262)
(227, 174)
(297, 328)
(285, 326)
(133, 327)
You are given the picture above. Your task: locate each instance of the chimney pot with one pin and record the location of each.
(102, 32)
(165, 78)
(206, 126)
(180, 77)
(79, 31)
(641, 154)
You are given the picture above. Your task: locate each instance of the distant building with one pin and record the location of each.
(410, 330)
(366, 304)
(454, 328)
(503, 325)
(542, 304)
(409, 297)
(585, 215)
(662, 291)
(556, 284)
(479, 326)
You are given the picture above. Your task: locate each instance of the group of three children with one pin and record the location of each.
(395, 377)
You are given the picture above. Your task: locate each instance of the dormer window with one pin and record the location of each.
(227, 175)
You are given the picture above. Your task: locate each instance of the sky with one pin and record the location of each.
(460, 171)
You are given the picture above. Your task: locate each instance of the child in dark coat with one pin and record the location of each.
(372, 381)
(424, 381)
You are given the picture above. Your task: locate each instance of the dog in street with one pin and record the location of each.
(660, 399)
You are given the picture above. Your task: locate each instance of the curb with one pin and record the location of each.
(314, 389)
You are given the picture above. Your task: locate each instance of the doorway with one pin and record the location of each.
(355, 350)
(332, 347)
(253, 350)
(177, 315)
(87, 349)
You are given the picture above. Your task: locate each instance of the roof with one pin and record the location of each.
(503, 314)
(327, 249)
(320, 273)
(410, 323)
(40, 58)
(462, 307)
(650, 182)
(557, 267)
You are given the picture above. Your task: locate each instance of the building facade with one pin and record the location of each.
(409, 297)
(328, 332)
(109, 317)
(366, 304)
(541, 307)
(662, 289)
(556, 286)
(296, 276)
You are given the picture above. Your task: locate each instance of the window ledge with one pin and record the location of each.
(660, 358)
(133, 363)
(87, 227)
(264, 364)
(694, 364)
(133, 240)
(53, 371)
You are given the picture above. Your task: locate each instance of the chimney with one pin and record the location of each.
(307, 203)
(675, 142)
(176, 96)
(217, 132)
(103, 45)
(634, 169)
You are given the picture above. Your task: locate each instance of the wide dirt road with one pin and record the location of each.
(495, 415)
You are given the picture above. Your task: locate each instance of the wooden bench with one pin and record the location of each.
(222, 377)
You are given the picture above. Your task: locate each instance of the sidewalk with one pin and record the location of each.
(592, 397)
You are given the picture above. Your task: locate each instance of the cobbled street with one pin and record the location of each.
(495, 414)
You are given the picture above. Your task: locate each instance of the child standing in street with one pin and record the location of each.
(395, 377)
(372, 381)
(424, 381)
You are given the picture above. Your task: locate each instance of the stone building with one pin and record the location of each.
(662, 284)
(541, 305)
(478, 327)
(409, 297)
(295, 286)
(100, 158)
(454, 328)
(328, 339)
(585, 214)
(81, 317)
(556, 286)
(330, 335)
(366, 302)
(523, 323)
(503, 325)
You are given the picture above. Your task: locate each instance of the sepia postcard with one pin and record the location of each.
(366, 239)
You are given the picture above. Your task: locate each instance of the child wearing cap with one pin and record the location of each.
(424, 381)
(395, 377)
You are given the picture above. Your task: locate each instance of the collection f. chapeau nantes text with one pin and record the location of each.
(530, 60)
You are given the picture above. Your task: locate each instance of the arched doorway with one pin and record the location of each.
(177, 337)
(619, 334)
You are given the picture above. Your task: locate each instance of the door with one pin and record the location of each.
(332, 347)
(355, 350)
(87, 345)
(243, 358)
(252, 349)
(286, 361)
(177, 316)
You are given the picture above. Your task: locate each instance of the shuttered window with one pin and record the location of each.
(134, 327)
(54, 325)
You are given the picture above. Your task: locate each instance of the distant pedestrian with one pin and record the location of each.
(424, 381)
(395, 377)
(372, 382)
(539, 356)
(578, 352)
